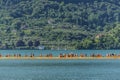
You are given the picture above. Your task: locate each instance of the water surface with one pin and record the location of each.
(59, 69)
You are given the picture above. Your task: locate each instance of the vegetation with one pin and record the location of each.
(64, 24)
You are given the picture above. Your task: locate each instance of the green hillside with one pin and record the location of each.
(63, 24)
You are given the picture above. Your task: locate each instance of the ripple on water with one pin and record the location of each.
(59, 69)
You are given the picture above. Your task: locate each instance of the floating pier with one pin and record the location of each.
(61, 56)
(57, 58)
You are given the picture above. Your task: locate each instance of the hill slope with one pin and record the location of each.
(72, 24)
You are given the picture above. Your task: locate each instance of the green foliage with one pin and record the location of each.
(77, 24)
(20, 43)
(30, 43)
(36, 43)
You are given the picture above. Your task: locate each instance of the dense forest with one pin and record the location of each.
(60, 24)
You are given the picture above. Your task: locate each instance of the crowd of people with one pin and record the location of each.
(62, 55)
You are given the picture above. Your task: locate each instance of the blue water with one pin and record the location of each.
(59, 69)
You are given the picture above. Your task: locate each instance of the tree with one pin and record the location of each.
(20, 43)
(17, 24)
(87, 44)
(30, 43)
(36, 43)
(6, 46)
(22, 33)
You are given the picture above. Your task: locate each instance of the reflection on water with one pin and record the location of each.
(59, 69)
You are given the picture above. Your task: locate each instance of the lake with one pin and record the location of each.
(59, 69)
(57, 52)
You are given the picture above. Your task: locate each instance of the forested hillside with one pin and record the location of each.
(63, 24)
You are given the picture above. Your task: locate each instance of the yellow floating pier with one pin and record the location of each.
(57, 58)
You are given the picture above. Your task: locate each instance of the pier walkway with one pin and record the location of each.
(57, 58)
